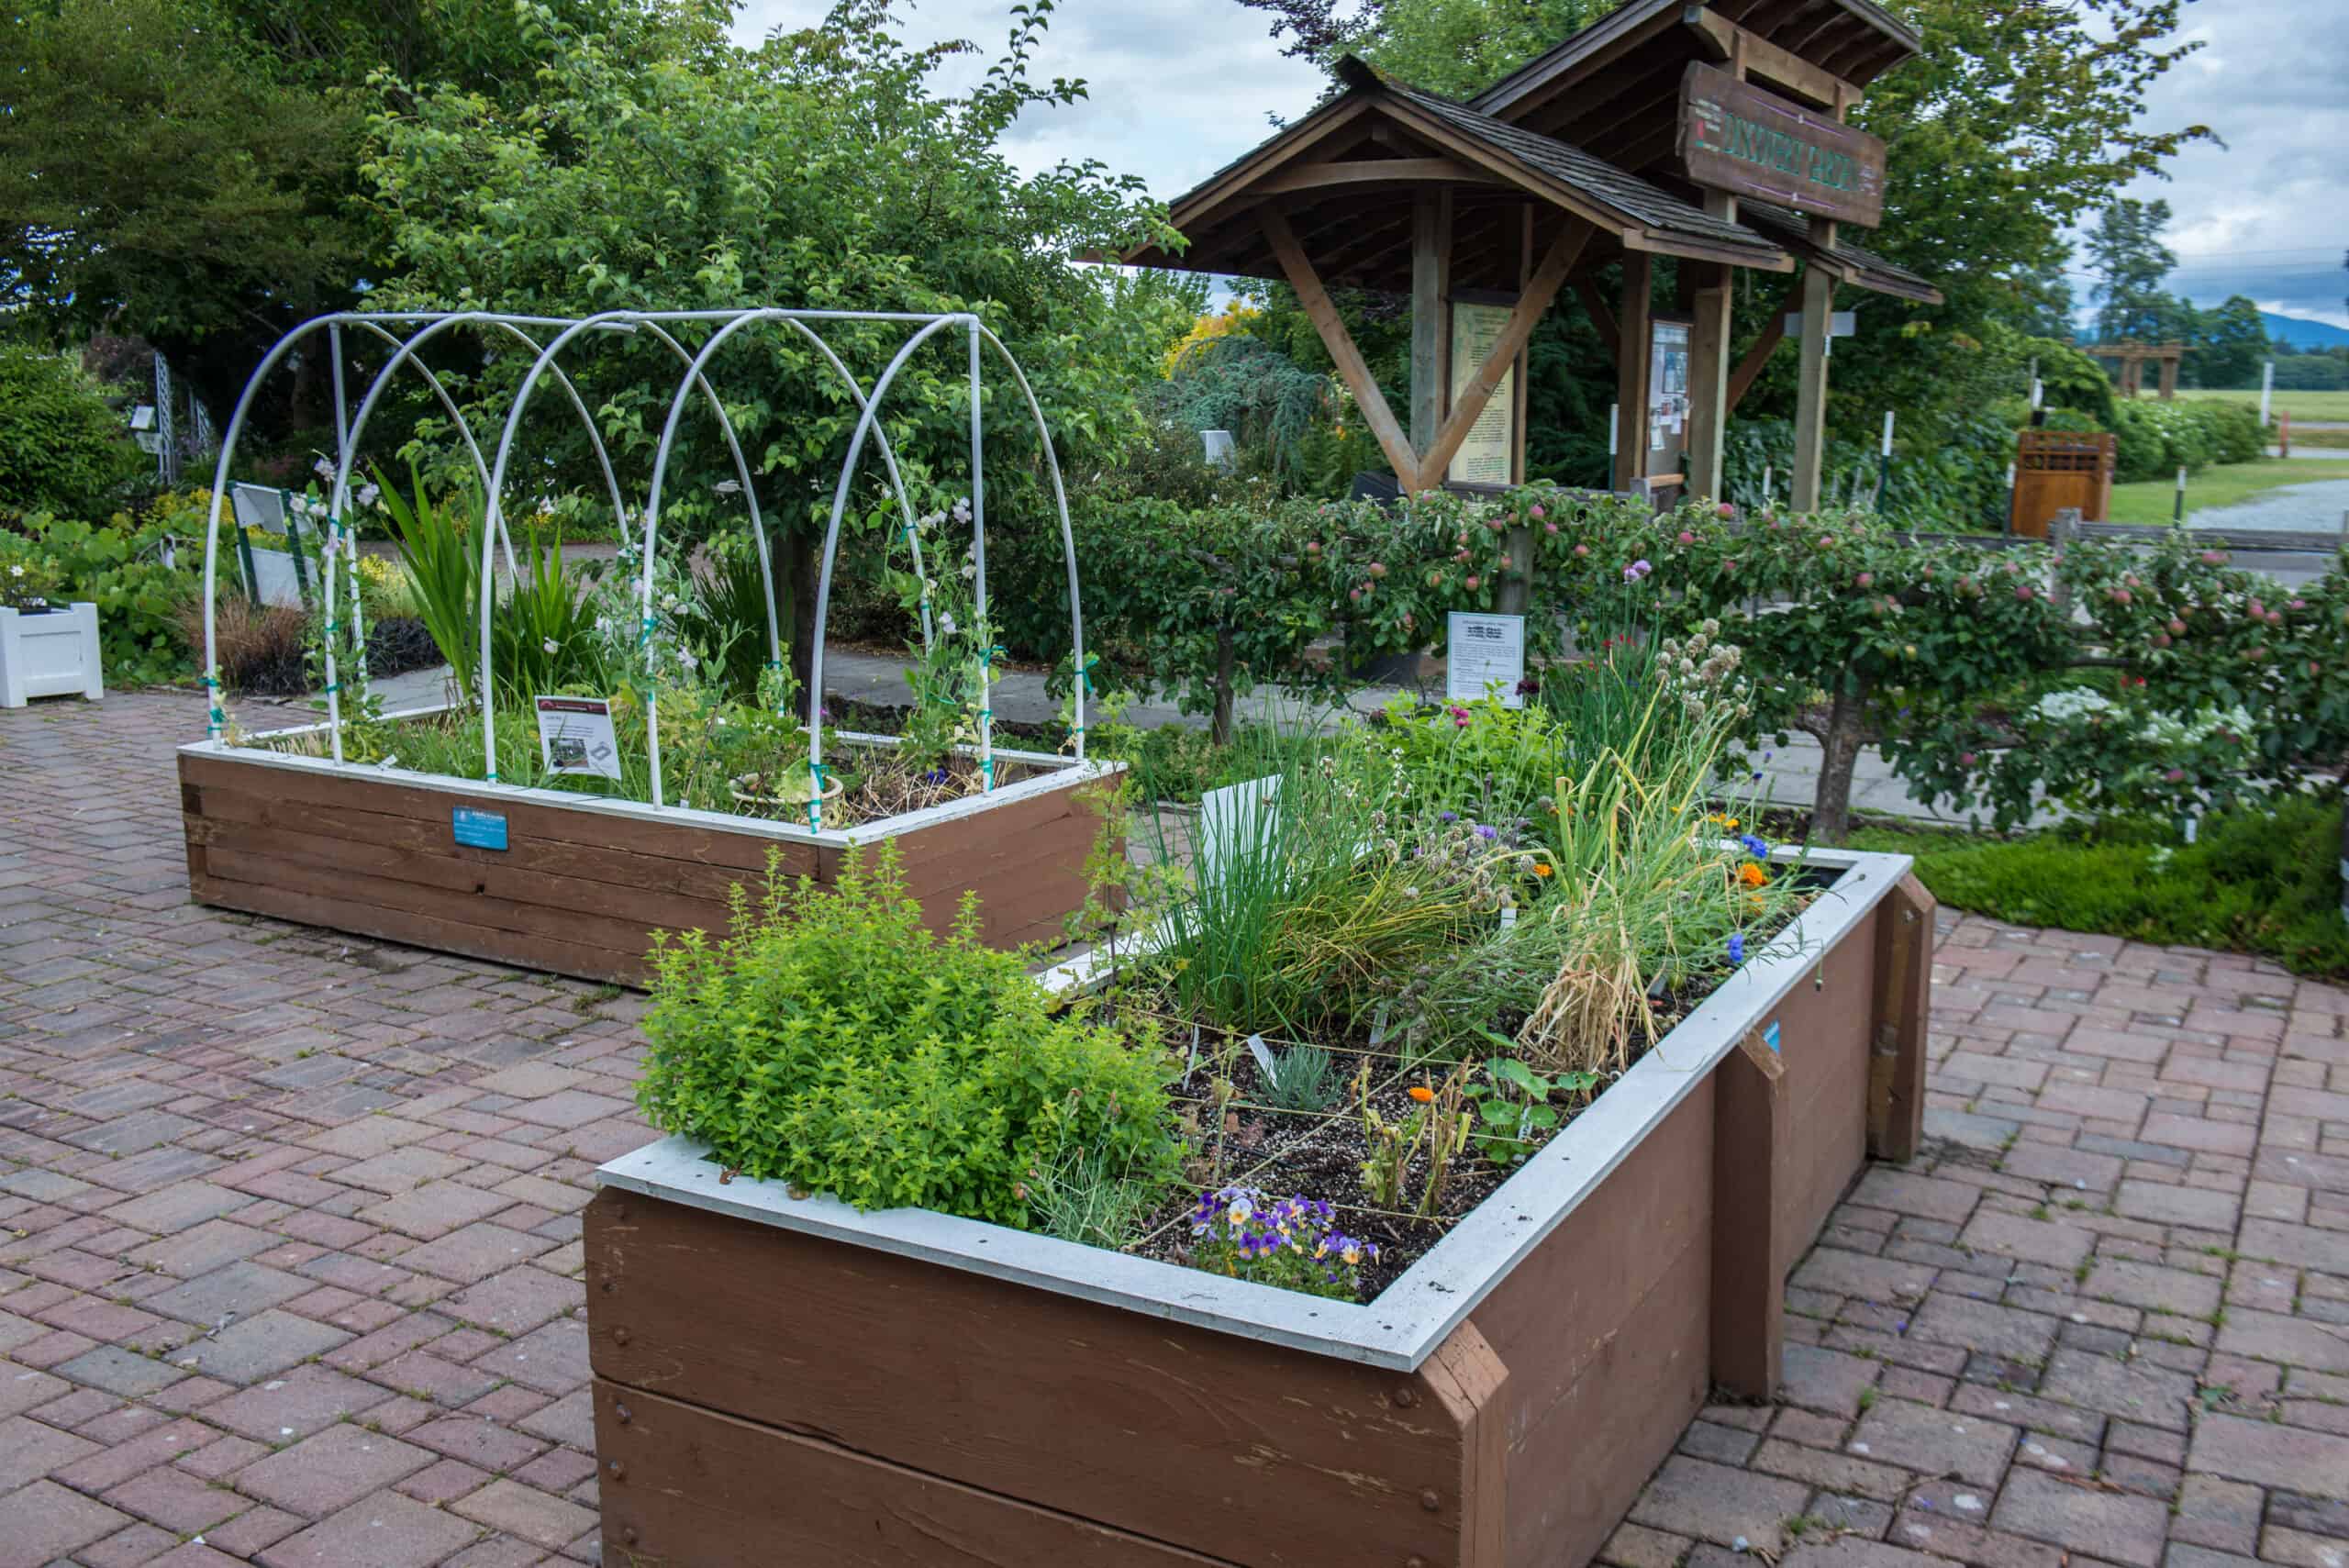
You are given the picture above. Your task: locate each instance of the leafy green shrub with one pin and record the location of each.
(834, 1043)
(119, 568)
(2257, 881)
(62, 448)
(2159, 439)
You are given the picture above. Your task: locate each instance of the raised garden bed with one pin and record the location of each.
(582, 882)
(781, 1378)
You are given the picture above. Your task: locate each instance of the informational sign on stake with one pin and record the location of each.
(1484, 652)
(576, 737)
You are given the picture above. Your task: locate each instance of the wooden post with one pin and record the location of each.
(2169, 378)
(1427, 322)
(1709, 374)
(1904, 993)
(1343, 352)
(1524, 360)
(1753, 1143)
(1810, 393)
(1635, 338)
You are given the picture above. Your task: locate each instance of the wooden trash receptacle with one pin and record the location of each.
(2056, 469)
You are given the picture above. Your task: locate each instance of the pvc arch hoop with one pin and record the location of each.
(840, 502)
(628, 321)
(215, 718)
(347, 439)
(695, 371)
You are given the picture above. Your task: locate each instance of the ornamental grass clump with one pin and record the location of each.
(836, 1044)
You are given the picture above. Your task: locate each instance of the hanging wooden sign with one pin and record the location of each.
(1736, 137)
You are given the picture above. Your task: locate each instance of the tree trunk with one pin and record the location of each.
(1831, 813)
(795, 560)
(1226, 657)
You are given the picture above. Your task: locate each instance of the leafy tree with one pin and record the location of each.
(2130, 261)
(821, 169)
(2230, 346)
(156, 179)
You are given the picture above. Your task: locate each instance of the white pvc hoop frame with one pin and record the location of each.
(424, 326)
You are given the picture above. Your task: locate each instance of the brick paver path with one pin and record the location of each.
(289, 1250)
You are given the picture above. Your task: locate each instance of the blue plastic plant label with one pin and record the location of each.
(1770, 1036)
(481, 829)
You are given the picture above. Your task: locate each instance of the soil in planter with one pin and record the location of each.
(1240, 1137)
(876, 783)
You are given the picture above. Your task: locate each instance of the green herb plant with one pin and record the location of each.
(835, 1043)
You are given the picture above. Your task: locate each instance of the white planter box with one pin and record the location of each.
(50, 654)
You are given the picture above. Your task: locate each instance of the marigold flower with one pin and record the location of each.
(1421, 1093)
(1542, 870)
(1751, 876)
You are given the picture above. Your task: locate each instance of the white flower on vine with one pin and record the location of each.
(969, 569)
(323, 468)
(552, 645)
(962, 510)
(686, 657)
(16, 571)
(368, 493)
(946, 624)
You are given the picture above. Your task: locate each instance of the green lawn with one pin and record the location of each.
(2218, 486)
(2254, 882)
(2330, 406)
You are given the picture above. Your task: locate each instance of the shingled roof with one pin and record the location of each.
(1658, 208)
(1499, 167)
(1859, 266)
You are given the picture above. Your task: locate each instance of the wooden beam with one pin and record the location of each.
(1810, 396)
(1340, 344)
(1426, 318)
(1370, 172)
(1637, 337)
(1753, 1153)
(1773, 330)
(1708, 376)
(1601, 318)
(1539, 290)
(1722, 39)
(1904, 990)
(1524, 360)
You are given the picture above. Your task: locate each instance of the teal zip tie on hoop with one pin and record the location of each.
(332, 687)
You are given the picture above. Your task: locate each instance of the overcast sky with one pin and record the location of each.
(1180, 87)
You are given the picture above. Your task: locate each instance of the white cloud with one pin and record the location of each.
(1176, 88)
(1181, 87)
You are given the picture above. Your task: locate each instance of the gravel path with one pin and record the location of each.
(2305, 508)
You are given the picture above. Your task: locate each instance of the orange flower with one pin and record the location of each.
(1542, 870)
(1751, 876)
(1421, 1093)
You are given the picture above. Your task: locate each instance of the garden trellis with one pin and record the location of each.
(407, 333)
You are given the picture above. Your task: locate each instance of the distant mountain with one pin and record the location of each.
(2304, 334)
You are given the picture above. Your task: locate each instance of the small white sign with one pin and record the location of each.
(1264, 1055)
(1237, 824)
(576, 737)
(1485, 651)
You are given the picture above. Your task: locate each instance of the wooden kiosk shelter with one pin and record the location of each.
(1712, 133)
(2132, 357)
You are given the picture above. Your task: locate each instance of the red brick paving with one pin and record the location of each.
(289, 1249)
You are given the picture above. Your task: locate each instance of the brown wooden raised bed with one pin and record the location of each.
(584, 883)
(780, 1379)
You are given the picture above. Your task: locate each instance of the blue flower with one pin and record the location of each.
(1447, 817)
(1487, 831)
(1736, 947)
(1755, 847)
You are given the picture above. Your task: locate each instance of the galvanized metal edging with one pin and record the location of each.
(1412, 1316)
